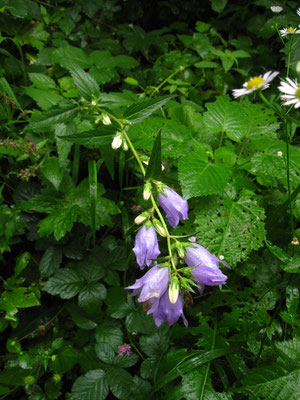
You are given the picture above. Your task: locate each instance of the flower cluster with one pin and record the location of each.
(160, 288)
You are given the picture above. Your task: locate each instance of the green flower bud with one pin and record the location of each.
(159, 228)
(147, 191)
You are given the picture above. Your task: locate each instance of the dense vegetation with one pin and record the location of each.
(99, 98)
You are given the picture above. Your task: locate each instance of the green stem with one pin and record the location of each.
(134, 153)
(208, 364)
(288, 179)
(281, 114)
(166, 230)
(166, 80)
(289, 56)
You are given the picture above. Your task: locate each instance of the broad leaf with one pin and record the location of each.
(87, 86)
(154, 167)
(91, 386)
(101, 136)
(109, 331)
(231, 228)
(66, 283)
(201, 178)
(64, 112)
(50, 261)
(137, 112)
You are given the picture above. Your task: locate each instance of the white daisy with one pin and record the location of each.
(298, 11)
(291, 90)
(289, 31)
(276, 9)
(256, 83)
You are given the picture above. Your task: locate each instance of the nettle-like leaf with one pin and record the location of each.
(139, 111)
(87, 86)
(199, 177)
(226, 116)
(91, 386)
(231, 227)
(274, 382)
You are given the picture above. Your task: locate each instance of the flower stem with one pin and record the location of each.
(181, 68)
(287, 140)
(208, 364)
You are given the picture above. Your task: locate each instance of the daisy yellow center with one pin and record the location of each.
(290, 30)
(255, 82)
(297, 93)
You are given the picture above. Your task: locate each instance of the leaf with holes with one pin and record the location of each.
(231, 227)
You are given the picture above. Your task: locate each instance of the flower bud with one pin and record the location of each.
(279, 153)
(174, 290)
(159, 228)
(106, 120)
(141, 218)
(180, 247)
(117, 141)
(93, 103)
(124, 145)
(147, 191)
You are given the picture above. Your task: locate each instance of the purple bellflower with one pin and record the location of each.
(162, 309)
(153, 289)
(146, 246)
(207, 271)
(152, 285)
(174, 206)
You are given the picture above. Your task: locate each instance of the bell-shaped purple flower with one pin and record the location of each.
(152, 285)
(174, 206)
(162, 309)
(207, 271)
(146, 246)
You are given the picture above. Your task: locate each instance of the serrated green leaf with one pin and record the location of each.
(101, 136)
(64, 112)
(105, 352)
(52, 171)
(109, 331)
(60, 221)
(45, 102)
(231, 228)
(66, 283)
(154, 167)
(120, 382)
(17, 298)
(63, 146)
(5, 87)
(226, 116)
(289, 350)
(155, 344)
(137, 112)
(80, 317)
(200, 178)
(66, 358)
(87, 86)
(206, 64)
(274, 382)
(93, 292)
(91, 386)
(68, 56)
(50, 261)
(42, 81)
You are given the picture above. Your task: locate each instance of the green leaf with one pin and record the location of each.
(50, 261)
(68, 56)
(18, 298)
(59, 222)
(196, 386)
(105, 352)
(231, 228)
(80, 317)
(44, 99)
(206, 64)
(5, 87)
(87, 86)
(190, 362)
(63, 146)
(93, 184)
(120, 382)
(274, 382)
(42, 81)
(52, 171)
(66, 283)
(154, 167)
(64, 112)
(155, 344)
(201, 178)
(218, 5)
(226, 116)
(289, 350)
(91, 294)
(137, 112)
(22, 262)
(66, 358)
(109, 332)
(101, 136)
(91, 386)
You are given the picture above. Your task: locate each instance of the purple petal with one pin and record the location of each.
(209, 276)
(174, 206)
(146, 246)
(164, 310)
